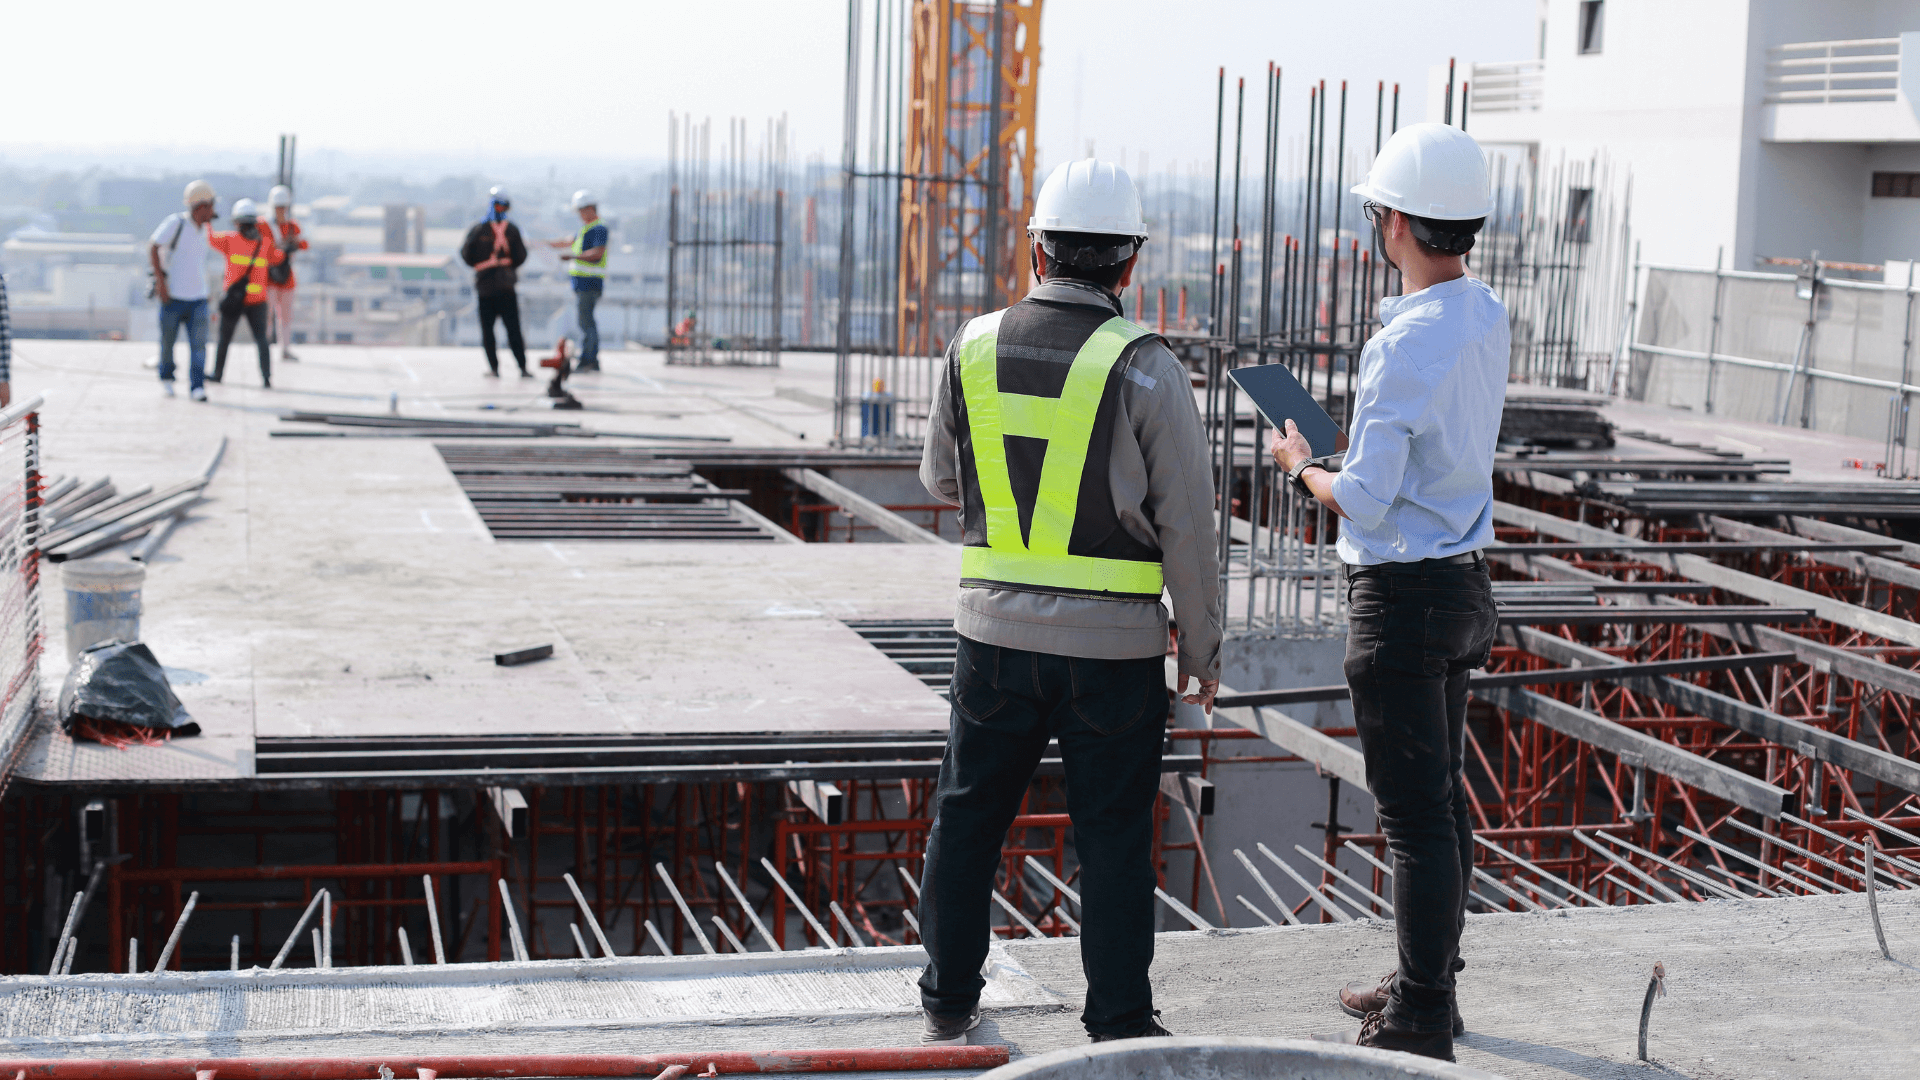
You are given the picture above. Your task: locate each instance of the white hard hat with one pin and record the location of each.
(198, 192)
(584, 197)
(245, 210)
(281, 195)
(1088, 196)
(498, 193)
(1431, 171)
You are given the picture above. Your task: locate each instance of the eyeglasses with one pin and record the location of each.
(1375, 212)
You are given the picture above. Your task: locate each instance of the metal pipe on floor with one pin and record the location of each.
(722, 1063)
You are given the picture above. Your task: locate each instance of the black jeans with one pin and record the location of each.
(1110, 717)
(505, 307)
(1414, 635)
(256, 316)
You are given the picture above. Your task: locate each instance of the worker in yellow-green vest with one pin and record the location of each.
(587, 259)
(1070, 440)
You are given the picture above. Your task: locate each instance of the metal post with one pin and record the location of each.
(673, 249)
(991, 238)
(850, 120)
(779, 294)
(1713, 336)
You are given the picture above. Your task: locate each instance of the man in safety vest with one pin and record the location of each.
(1069, 438)
(495, 251)
(588, 259)
(1416, 499)
(248, 250)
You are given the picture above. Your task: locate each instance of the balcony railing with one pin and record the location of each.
(1509, 86)
(1823, 72)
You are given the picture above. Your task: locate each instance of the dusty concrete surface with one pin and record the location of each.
(344, 586)
(1759, 988)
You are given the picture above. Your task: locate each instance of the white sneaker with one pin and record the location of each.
(199, 393)
(166, 387)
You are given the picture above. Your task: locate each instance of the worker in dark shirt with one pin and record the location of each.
(495, 251)
(588, 254)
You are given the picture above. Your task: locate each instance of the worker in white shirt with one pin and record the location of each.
(1416, 499)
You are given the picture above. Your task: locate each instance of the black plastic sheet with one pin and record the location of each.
(120, 683)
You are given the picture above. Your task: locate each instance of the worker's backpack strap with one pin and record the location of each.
(1041, 559)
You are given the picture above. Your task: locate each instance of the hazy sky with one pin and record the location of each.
(478, 85)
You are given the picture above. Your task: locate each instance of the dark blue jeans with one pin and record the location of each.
(193, 314)
(1414, 635)
(1110, 717)
(583, 304)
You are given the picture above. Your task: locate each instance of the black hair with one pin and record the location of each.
(1099, 258)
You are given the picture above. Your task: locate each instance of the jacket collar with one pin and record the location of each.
(1076, 293)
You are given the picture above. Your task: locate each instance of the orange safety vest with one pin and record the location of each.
(242, 262)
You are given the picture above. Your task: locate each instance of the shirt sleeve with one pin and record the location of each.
(1383, 435)
(596, 237)
(940, 461)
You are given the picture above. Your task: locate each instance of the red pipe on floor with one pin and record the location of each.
(725, 1063)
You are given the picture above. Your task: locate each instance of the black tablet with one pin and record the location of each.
(1280, 397)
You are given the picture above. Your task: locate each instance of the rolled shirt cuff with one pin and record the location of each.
(1360, 507)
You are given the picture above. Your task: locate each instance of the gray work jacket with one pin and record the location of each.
(1162, 483)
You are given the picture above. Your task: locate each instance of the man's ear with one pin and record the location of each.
(1126, 275)
(1039, 261)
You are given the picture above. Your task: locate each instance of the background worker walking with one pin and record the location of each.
(178, 251)
(280, 279)
(495, 251)
(1416, 494)
(1069, 438)
(587, 264)
(249, 250)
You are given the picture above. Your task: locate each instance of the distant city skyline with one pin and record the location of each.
(400, 89)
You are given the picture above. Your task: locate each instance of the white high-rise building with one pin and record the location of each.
(1751, 127)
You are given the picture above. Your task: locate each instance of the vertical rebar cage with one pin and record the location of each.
(21, 632)
(725, 230)
(935, 203)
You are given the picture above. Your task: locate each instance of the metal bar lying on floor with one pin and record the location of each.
(1786, 876)
(826, 939)
(720, 1062)
(678, 901)
(741, 898)
(1314, 894)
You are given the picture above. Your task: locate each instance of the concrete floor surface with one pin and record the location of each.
(1757, 989)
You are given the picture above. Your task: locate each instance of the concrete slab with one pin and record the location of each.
(344, 586)
(1758, 988)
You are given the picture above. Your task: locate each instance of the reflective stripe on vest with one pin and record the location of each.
(582, 268)
(1066, 423)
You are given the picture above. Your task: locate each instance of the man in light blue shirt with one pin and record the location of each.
(1416, 499)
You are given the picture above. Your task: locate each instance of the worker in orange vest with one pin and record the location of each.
(280, 280)
(248, 251)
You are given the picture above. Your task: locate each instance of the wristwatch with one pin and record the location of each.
(1295, 474)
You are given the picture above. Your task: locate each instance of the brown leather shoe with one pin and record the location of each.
(1362, 998)
(1376, 1032)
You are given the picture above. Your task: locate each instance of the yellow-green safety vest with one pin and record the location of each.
(579, 267)
(1066, 423)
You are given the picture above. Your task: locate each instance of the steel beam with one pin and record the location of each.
(1803, 739)
(1639, 748)
(862, 507)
